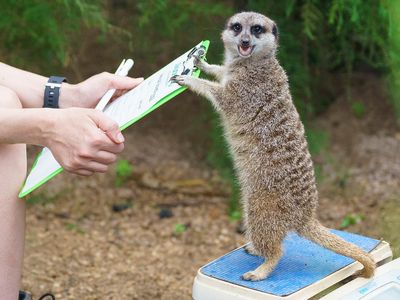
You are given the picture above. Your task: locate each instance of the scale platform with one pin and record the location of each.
(304, 270)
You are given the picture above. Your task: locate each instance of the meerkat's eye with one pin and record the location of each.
(236, 27)
(257, 29)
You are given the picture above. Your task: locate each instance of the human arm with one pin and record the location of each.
(30, 87)
(83, 141)
(89, 146)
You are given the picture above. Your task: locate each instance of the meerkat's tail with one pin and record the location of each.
(322, 236)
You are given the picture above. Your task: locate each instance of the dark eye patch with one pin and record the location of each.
(236, 27)
(257, 29)
(275, 31)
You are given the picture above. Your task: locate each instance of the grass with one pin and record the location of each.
(123, 171)
(179, 228)
(358, 109)
(351, 219)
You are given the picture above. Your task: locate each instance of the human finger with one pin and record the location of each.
(109, 126)
(83, 172)
(112, 147)
(95, 166)
(123, 82)
(106, 157)
(118, 93)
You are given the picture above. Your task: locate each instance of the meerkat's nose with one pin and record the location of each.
(245, 43)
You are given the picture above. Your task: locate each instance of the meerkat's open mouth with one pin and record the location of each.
(245, 51)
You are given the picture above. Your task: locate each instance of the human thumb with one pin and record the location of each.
(109, 126)
(124, 83)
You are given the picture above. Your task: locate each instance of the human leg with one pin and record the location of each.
(12, 209)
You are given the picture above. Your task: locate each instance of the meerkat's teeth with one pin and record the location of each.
(245, 51)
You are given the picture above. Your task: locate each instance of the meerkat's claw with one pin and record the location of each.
(179, 79)
(253, 276)
(174, 78)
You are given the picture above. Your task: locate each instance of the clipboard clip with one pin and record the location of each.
(198, 52)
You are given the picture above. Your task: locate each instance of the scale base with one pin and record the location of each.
(305, 270)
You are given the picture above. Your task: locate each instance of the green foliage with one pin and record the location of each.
(179, 228)
(351, 219)
(318, 140)
(235, 215)
(167, 27)
(319, 41)
(172, 16)
(43, 33)
(312, 18)
(319, 38)
(393, 52)
(123, 171)
(358, 109)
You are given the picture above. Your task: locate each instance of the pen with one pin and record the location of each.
(122, 70)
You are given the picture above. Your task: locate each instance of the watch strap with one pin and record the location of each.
(52, 91)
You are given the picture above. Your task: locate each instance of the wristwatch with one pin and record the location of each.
(52, 91)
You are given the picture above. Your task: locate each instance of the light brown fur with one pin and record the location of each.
(268, 145)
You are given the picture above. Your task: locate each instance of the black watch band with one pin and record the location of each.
(52, 91)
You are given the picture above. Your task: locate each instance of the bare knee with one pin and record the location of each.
(13, 167)
(8, 98)
(12, 157)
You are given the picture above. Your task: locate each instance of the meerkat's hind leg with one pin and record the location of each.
(249, 248)
(266, 268)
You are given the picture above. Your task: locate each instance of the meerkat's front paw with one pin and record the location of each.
(181, 79)
(198, 62)
(255, 275)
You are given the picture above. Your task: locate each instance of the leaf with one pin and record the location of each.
(180, 228)
(123, 171)
(312, 17)
(351, 219)
(358, 109)
(235, 215)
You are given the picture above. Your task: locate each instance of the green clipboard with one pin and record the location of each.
(46, 167)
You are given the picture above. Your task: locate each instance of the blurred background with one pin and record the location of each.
(171, 203)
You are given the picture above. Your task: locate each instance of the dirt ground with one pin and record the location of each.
(78, 247)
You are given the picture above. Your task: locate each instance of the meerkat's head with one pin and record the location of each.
(250, 34)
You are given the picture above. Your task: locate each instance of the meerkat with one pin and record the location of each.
(267, 142)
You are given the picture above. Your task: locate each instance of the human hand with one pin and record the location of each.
(88, 93)
(83, 141)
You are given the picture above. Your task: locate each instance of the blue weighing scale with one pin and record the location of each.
(304, 270)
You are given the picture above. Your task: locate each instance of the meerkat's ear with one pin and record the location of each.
(275, 31)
